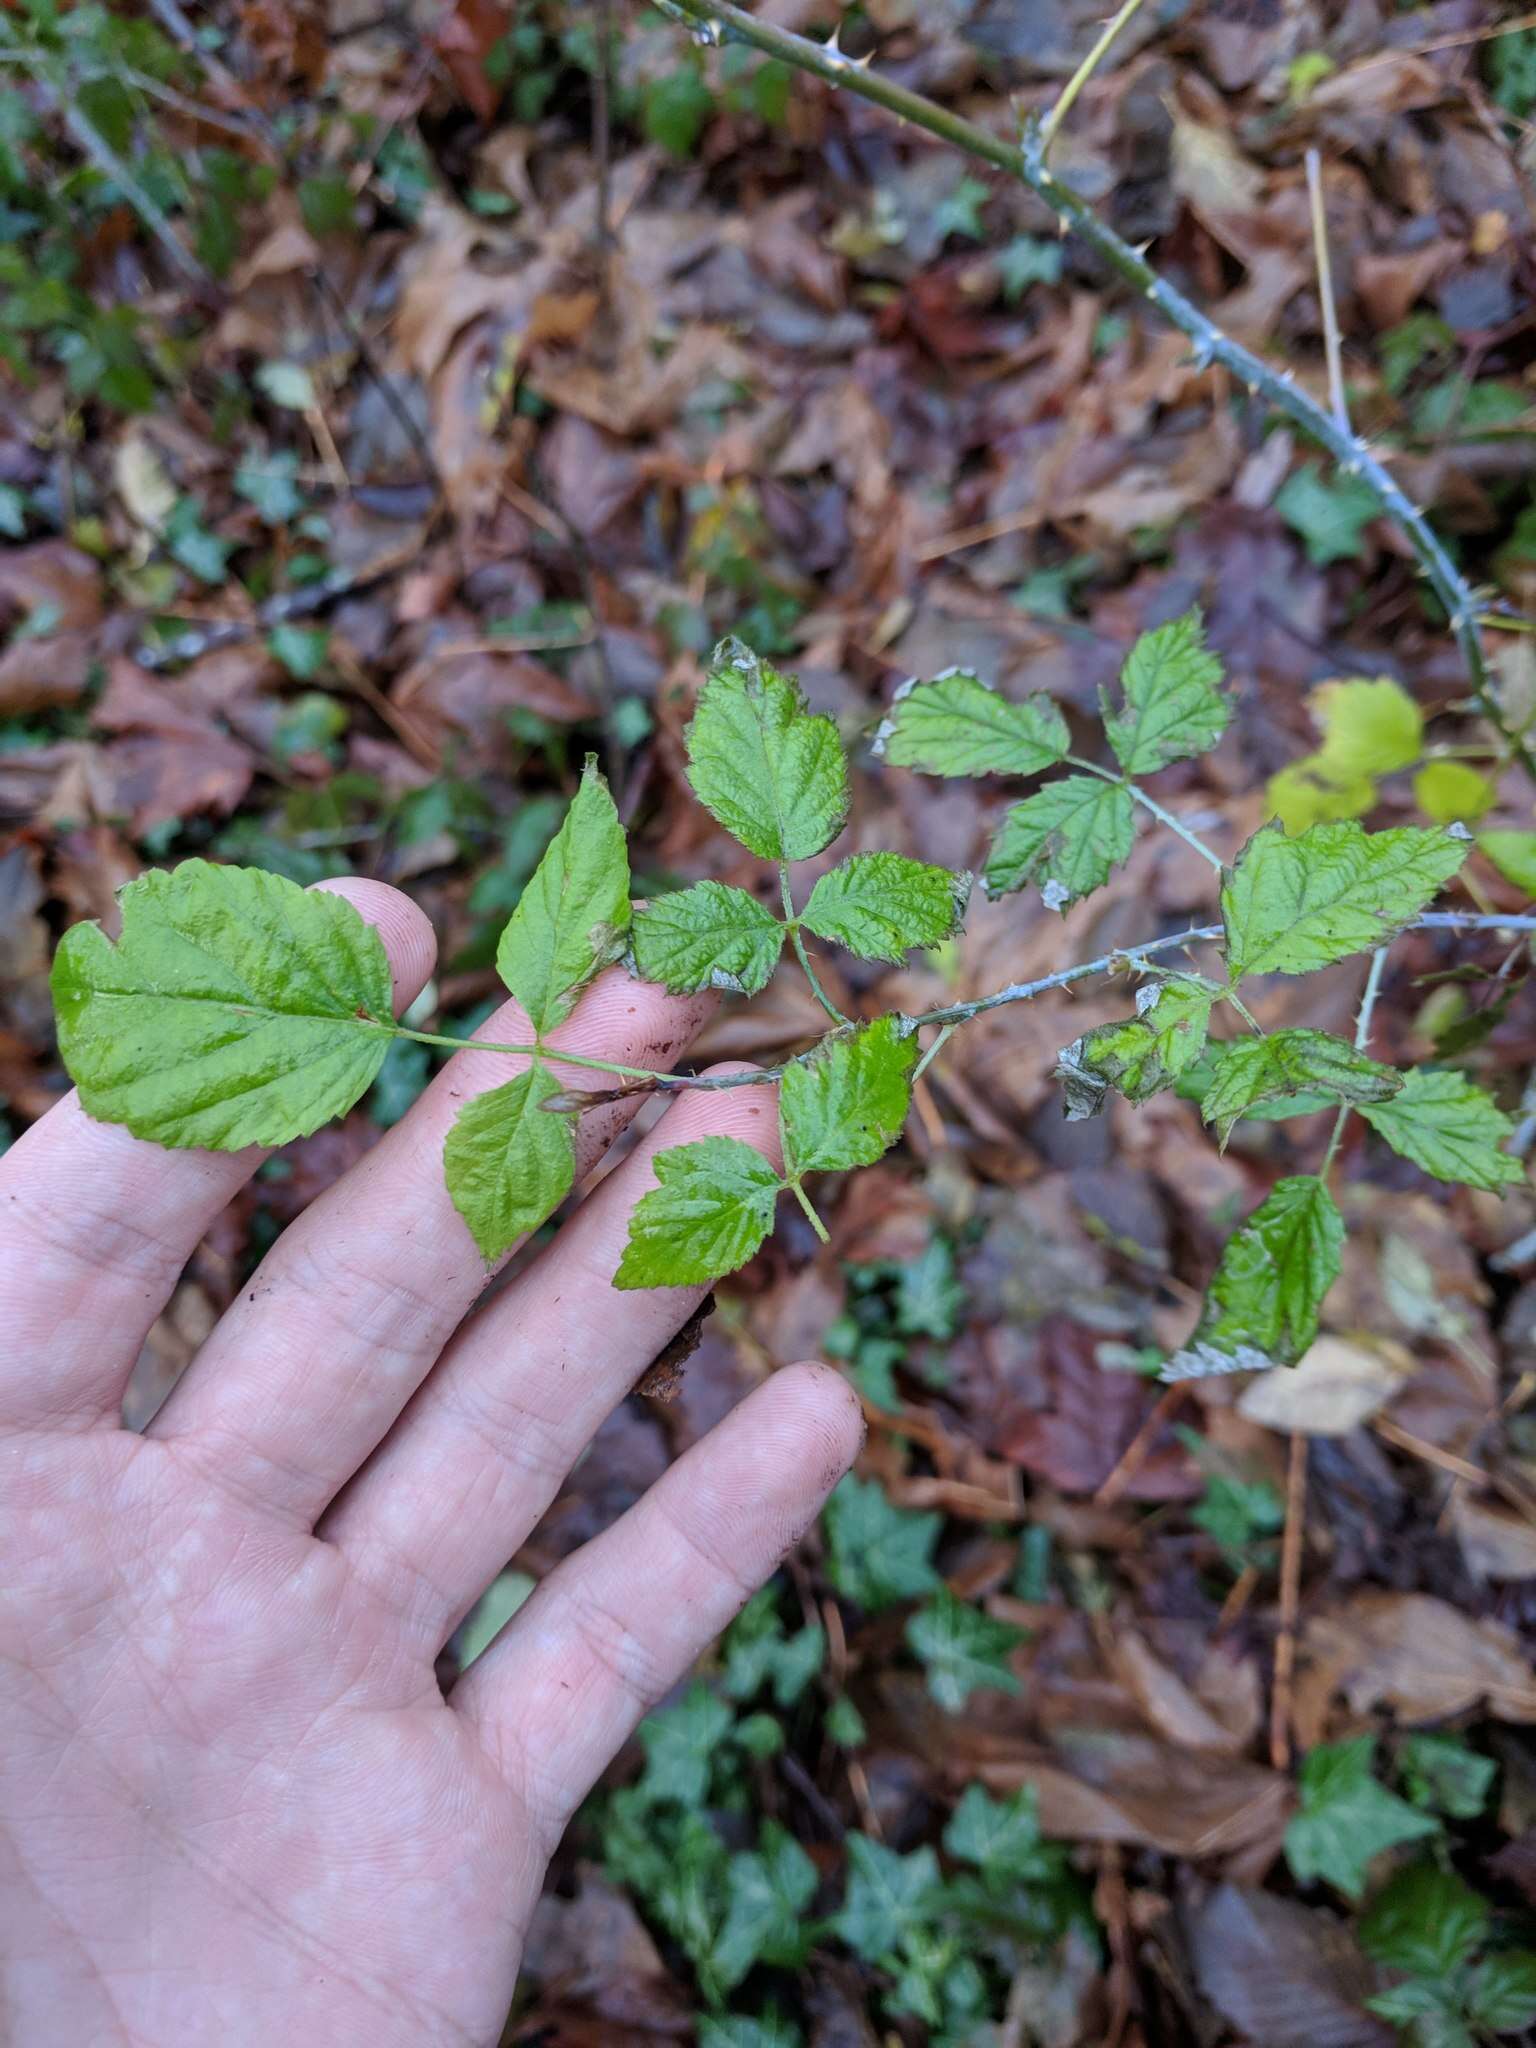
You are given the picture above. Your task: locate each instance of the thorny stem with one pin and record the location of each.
(1149, 803)
(798, 942)
(1026, 160)
(1081, 76)
(1123, 960)
(1368, 997)
(1333, 348)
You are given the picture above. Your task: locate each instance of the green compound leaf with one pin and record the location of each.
(1255, 1071)
(760, 764)
(767, 1896)
(1445, 1124)
(1290, 905)
(508, 1163)
(1427, 1921)
(1173, 707)
(959, 725)
(1067, 837)
(711, 1210)
(236, 1009)
(878, 1553)
(889, 1897)
(572, 917)
(963, 1650)
(879, 905)
(709, 936)
(846, 1104)
(1347, 1819)
(1502, 1996)
(1143, 1054)
(1261, 1307)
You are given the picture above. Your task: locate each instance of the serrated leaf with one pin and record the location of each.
(1142, 1054)
(962, 1649)
(571, 918)
(236, 1008)
(769, 772)
(1255, 1071)
(1452, 793)
(846, 1104)
(1290, 905)
(1261, 1306)
(710, 936)
(1502, 1994)
(711, 1210)
(1427, 1921)
(1346, 1819)
(877, 1553)
(889, 1897)
(1514, 855)
(1446, 1124)
(959, 725)
(1371, 727)
(507, 1162)
(1173, 707)
(767, 1896)
(880, 905)
(1068, 837)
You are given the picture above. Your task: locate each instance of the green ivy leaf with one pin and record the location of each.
(1067, 837)
(758, 1653)
(1285, 1063)
(880, 905)
(1447, 1126)
(711, 1210)
(888, 1898)
(1346, 1818)
(1330, 517)
(681, 1743)
(1001, 1837)
(1427, 1921)
(962, 1649)
(1514, 855)
(508, 1162)
(571, 918)
(1173, 706)
(959, 725)
(1142, 1054)
(1290, 905)
(767, 1895)
(709, 936)
(1502, 1995)
(760, 764)
(878, 1554)
(1261, 1307)
(846, 1104)
(1446, 1775)
(234, 1010)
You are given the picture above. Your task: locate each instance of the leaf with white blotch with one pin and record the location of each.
(710, 936)
(572, 917)
(1254, 1071)
(879, 905)
(846, 1104)
(1173, 707)
(769, 772)
(959, 725)
(1290, 905)
(508, 1161)
(1142, 1054)
(1067, 837)
(236, 1008)
(1261, 1307)
(710, 1210)
(1445, 1124)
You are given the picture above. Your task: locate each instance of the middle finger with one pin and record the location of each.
(345, 1316)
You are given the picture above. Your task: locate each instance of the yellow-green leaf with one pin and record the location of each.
(1451, 792)
(572, 917)
(508, 1162)
(773, 775)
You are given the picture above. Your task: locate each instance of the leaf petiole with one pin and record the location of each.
(805, 1202)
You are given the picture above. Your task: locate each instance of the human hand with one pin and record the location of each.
(235, 1805)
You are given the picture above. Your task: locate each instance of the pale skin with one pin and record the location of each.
(235, 1805)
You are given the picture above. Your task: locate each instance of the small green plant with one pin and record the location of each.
(237, 1010)
(1460, 1985)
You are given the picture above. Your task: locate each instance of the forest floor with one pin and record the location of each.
(381, 429)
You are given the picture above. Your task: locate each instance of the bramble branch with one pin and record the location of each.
(718, 20)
